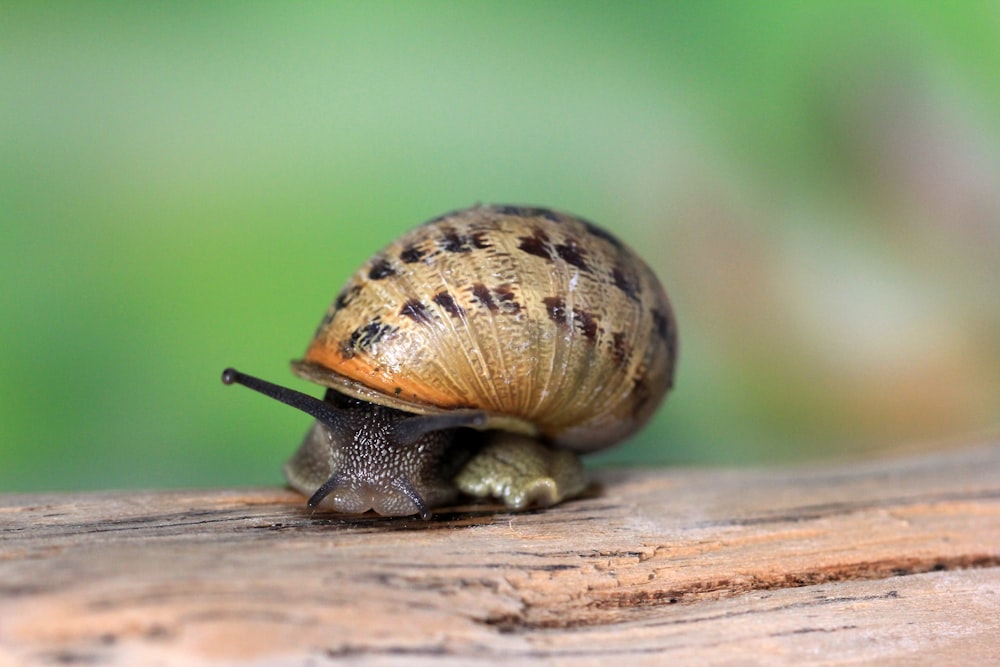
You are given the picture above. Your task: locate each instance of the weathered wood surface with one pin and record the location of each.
(895, 560)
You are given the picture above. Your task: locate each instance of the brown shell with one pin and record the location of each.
(544, 320)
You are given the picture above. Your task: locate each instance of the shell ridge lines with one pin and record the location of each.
(478, 373)
(438, 330)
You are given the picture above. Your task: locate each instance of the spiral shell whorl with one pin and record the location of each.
(523, 312)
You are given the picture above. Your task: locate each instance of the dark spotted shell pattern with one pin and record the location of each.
(546, 321)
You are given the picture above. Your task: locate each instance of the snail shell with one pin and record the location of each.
(545, 321)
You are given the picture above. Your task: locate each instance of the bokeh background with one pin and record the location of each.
(185, 186)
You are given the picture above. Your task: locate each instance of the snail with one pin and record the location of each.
(479, 354)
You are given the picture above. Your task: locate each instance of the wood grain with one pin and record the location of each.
(893, 560)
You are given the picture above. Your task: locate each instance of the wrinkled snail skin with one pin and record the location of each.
(478, 354)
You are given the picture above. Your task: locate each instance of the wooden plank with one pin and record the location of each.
(895, 559)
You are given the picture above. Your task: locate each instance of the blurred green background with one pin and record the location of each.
(185, 186)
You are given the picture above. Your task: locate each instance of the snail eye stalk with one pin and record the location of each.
(310, 405)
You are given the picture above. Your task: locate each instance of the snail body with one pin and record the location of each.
(479, 353)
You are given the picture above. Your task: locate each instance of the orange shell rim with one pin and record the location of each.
(326, 377)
